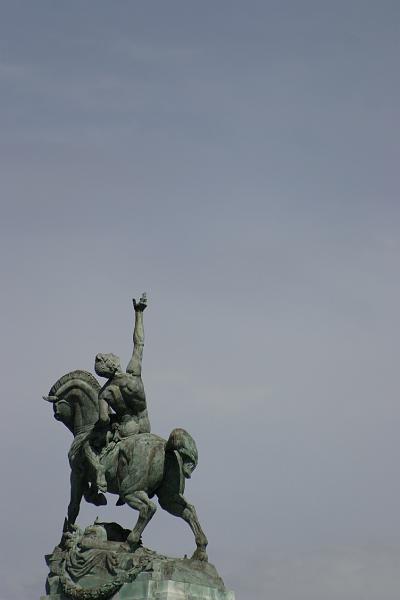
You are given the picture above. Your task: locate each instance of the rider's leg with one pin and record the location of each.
(96, 467)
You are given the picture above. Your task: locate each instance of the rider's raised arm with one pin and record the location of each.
(135, 364)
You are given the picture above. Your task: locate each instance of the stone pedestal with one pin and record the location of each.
(95, 564)
(148, 586)
(166, 579)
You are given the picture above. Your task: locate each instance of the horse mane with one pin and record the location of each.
(73, 375)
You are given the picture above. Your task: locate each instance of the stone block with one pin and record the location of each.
(148, 586)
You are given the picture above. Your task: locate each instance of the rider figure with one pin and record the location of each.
(123, 393)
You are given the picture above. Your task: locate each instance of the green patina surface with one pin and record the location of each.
(114, 451)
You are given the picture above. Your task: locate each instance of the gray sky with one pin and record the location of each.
(239, 162)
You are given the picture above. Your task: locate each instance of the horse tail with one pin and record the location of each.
(182, 442)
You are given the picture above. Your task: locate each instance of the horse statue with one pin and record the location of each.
(115, 451)
(136, 468)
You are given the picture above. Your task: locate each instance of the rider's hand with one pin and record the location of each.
(141, 305)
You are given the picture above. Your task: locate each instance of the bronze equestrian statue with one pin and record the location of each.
(113, 450)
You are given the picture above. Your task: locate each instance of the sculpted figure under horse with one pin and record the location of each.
(113, 449)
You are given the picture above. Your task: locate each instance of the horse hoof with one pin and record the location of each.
(200, 554)
(133, 544)
(125, 547)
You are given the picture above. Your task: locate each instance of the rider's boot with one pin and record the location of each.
(101, 478)
(92, 495)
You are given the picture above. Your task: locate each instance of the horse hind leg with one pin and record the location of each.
(141, 502)
(176, 504)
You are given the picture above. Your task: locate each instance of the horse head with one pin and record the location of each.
(75, 400)
(63, 411)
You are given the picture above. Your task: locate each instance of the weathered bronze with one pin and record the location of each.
(113, 451)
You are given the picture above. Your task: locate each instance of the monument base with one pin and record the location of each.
(146, 587)
(94, 564)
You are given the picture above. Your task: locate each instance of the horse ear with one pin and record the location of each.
(97, 520)
(50, 398)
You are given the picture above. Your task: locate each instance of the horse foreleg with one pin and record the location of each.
(177, 505)
(77, 488)
(141, 502)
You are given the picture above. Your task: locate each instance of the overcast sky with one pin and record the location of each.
(239, 161)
